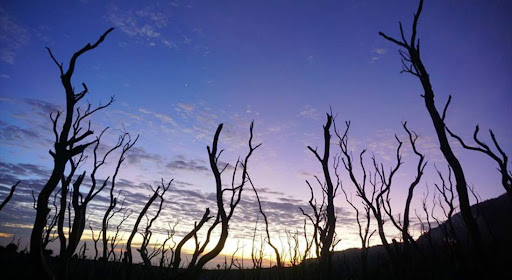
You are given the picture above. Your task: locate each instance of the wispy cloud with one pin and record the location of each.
(162, 117)
(377, 53)
(186, 108)
(42, 108)
(309, 112)
(151, 26)
(145, 24)
(380, 51)
(24, 169)
(10, 134)
(178, 4)
(26, 123)
(13, 36)
(170, 44)
(385, 148)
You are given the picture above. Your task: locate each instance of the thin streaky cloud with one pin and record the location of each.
(380, 51)
(309, 113)
(13, 36)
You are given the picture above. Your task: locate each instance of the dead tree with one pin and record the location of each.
(265, 219)
(164, 248)
(364, 229)
(373, 196)
(223, 217)
(9, 196)
(49, 228)
(412, 64)
(318, 217)
(156, 194)
(379, 202)
(295, 255)
(257, 254)
(403, 225)
(326, 235)
(444, 198)
(199, 249)
(61, 154)
(309, 243)
(112, 241)
(506, 174)
(79, 201)
(64, 203)
(279, 261)
(228, 266)
(115, 239)
(109, 214)
(95, 239)
(446, 202)
(147, 234)
(426, 226)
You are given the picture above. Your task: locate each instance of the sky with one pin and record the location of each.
(178, 69)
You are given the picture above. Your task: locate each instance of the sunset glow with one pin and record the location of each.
(179, 69)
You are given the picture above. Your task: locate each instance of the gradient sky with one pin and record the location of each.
(180, 68)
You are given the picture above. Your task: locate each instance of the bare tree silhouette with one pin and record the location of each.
(79, 202)
(95, 239)
(403, 224)
(171, 231)
(9, 196)
(365, 234)
(115, 239)
(147, 233)
(109, 214)
(378, 199)
(223, 217)
(199, 249)
(279, 262)
(69, 142)
(324, 236)
(257, 254)
(425, 222)
(506, 174)
(156, 194)
(412, 64)
(49, 228)
(373, 198)
(317, 217)
(445, 200)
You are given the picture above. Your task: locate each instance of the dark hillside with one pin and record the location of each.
(493, 218)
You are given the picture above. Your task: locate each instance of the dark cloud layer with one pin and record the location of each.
(43, 108)
(11, 133)
(183, 203)
(188, 165)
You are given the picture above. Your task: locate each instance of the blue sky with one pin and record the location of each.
(178, 69)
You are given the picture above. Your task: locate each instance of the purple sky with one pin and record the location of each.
(179, 69)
